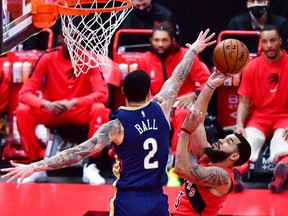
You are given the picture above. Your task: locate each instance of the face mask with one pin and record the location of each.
(142, 13)
(258, 11)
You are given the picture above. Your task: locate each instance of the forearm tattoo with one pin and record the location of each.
(172, 86)
(73, 155)
(67, 157)
(213, 177)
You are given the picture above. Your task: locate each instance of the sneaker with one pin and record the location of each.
(91, 175)
(279, 177)
(239, 184)
(173, 179)
(35, 177)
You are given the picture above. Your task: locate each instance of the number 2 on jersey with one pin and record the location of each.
(150, 143)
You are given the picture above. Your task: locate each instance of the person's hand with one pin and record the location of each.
(193, 120)
(240, 130)
(18, 170)
(216, 79)
(202, 41)
(186, 101)
(56, 107)
(68, 103)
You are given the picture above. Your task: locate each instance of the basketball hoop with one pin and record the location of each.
(87, 26)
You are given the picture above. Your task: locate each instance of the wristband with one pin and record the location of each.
(210, 87)
(186, 131)
(239, 125)
(46, 104)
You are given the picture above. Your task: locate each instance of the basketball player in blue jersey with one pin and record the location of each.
(140, 135)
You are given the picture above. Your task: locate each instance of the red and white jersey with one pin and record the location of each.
(198, 200)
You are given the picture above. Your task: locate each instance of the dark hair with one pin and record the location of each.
(136, 86)
(165, 26)
(170, 29)
(244, 150)
(270, 28)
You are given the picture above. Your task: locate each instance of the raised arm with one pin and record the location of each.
(198, 138)
(193, 128)
(167, 96)
(111, 131)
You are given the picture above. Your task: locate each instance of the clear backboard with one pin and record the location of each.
(16, 23)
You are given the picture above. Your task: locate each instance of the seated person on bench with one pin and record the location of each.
(66, 100)
(263, 109)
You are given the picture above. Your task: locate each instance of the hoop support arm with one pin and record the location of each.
(45, 13)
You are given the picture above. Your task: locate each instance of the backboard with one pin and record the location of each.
(16, 23)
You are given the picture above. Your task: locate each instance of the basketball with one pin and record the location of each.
(230, 56)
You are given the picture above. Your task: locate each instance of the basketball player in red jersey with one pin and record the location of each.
(209, 180)
(66, 100)
(140, 135)
(263, 108)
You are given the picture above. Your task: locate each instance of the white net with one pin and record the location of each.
(88, 36)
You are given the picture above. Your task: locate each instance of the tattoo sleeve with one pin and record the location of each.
(209, 176)
(103, 137)
(171, 87)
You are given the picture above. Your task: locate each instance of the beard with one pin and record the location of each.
(216, 155)
(163, 55)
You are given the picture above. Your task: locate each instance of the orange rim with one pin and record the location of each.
(66, 7)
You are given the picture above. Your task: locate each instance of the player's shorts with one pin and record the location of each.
(268, 124)
(140, 203)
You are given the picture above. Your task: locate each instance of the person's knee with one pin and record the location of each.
(22, 109)
(278, 146)
(256, 138)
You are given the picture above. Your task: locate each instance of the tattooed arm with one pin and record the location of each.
(167, 96)
(107, 133)
(215, 178)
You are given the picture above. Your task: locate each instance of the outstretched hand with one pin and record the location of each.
(18, 170)
(193, 120)
(202, 41)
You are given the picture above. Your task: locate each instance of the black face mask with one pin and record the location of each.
(142, 13)
(258, 11)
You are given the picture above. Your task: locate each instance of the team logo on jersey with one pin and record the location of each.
(273, 80)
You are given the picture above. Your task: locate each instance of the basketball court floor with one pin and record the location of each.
(63, 194)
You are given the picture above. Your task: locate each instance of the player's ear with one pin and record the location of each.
(234, 157)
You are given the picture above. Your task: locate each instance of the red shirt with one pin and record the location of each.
(267, 85)
(150, 63)
(198, 200)
(53, 74)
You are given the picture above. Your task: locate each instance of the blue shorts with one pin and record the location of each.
(140, 203)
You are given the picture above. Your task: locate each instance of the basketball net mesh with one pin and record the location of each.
(88, 36)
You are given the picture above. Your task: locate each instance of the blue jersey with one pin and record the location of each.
(141, 158)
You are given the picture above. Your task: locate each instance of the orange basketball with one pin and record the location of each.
(230, 56)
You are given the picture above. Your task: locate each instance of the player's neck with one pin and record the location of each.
(135, 104)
